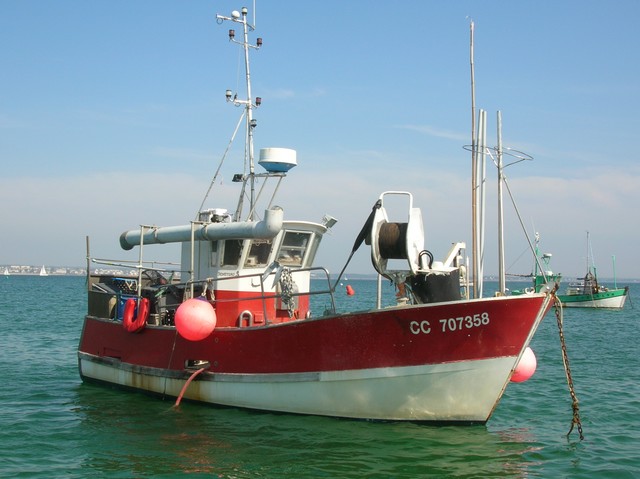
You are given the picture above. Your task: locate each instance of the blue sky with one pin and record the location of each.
(104, 104)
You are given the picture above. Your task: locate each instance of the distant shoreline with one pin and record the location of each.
(76, 271)
(48, 274)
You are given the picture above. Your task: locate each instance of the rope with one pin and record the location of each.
(392, 240)
(288, 290)
(565, 360)
(173, 349)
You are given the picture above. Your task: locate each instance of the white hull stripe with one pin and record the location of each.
(464, 391)
(613, 302)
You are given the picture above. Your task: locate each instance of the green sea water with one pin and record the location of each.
(54, 426)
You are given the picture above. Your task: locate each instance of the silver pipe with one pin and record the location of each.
(268, 228)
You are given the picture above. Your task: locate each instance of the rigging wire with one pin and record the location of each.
(575, 404)
(515, 261)
(519, 216)
(224, 156)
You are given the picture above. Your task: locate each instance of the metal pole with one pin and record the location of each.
(501, 272)
(481, 163)
(192, 276)
(88, 264)
(249, 112)
(474, 241)
(140, 256)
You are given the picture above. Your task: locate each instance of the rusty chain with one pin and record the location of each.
(565, 359)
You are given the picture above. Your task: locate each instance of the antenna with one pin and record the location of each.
(248, 103)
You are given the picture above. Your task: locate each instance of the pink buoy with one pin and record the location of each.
(195, 319)
(526, 366)
(350, 291)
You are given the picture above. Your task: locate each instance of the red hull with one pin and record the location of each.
(394, 337)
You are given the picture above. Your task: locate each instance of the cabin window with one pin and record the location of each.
(258, 253)
(232, 252)
(214, 253)
(293, 248)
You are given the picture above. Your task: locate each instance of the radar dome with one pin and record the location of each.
(277, 160)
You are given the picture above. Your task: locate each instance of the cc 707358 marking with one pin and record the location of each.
(451, 324)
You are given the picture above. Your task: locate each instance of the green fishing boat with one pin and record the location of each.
(588, 293)
(541, 274)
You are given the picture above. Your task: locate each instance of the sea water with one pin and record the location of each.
(54, 426)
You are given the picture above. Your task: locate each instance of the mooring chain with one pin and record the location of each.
(286, 286)
(565, 359)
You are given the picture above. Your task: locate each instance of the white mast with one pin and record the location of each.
(248, 104)
(474, 153)
(479, 195)
(501, 272)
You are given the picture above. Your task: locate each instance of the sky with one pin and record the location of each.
(112, 115)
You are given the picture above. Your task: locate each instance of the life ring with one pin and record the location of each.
(137, 324)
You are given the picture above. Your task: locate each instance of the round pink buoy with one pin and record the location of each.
(526, 366)
(195, 319)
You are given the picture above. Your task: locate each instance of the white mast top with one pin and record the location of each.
(248, 103)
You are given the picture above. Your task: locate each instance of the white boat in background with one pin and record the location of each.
(243, 328)
(43, 271)
(6, 271)
(588, 293)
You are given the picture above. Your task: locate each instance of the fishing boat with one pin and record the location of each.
(587, 292)
(541, 274)
(243, 322)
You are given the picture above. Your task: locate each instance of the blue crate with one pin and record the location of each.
(122, 299)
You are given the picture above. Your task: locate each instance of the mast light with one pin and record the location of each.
(232, 34)
(258, 101)
(228, 95)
